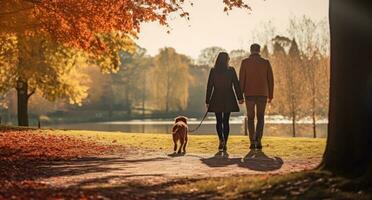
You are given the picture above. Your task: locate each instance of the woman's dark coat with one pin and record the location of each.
(220, 91)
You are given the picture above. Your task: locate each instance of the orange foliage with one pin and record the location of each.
(77, 22)
(230, 4)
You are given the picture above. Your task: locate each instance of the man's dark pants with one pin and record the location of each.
(258, 102)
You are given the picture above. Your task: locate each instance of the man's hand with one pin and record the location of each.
(241, 101)
(270, 100)
(207, 106)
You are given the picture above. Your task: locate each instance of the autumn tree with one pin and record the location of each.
(132, 79)
(33, 45)
(316, 82)
(314, 48)
(43, 66)
(35, 63)
(287, 67)
(294, 71)
(170, 80)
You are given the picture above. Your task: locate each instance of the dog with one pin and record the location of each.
(179, 133)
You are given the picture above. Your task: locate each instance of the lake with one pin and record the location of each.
(274, 126)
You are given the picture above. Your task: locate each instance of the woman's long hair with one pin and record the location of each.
(222, 61)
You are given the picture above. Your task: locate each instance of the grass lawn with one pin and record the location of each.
(284, 147)
(303, 185)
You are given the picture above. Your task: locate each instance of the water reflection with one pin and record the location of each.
(272, 127)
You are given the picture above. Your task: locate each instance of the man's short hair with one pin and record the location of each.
(255, 48)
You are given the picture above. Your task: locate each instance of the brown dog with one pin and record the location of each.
(179, 132)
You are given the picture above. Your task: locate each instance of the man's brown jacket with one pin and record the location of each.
(256, 77)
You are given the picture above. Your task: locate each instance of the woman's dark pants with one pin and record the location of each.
(222, 126)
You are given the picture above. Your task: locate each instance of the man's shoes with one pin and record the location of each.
(259, 146)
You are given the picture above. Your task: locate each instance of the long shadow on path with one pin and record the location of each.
(255, 160)
(90, 165)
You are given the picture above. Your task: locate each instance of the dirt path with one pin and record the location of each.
(155, 168)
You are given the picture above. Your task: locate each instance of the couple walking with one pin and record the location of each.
(224, 90)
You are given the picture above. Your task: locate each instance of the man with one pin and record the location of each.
(257, 83)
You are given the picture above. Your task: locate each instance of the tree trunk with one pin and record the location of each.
(167, 94)
(294, 114)
(313, 112)
(314, 125)
(313, 102)
(294, 124)
(22, 102)
(349, 141)
(144, 95)
(167, 90)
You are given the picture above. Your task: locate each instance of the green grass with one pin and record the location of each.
(231, 187)
(284, 147)
(303, 185)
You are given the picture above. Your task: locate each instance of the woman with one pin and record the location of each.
(222, 90)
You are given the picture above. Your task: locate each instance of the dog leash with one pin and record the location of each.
(205, 116)
(201, 122)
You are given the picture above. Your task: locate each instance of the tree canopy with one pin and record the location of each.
(77, 23)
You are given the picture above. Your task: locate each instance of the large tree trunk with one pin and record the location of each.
(22, 102)
(349, 144)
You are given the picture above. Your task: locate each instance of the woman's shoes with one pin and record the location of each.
(222, 146)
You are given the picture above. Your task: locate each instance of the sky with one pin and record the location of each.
(210, 26)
